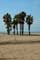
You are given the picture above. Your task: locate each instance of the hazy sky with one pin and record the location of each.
(15, 6)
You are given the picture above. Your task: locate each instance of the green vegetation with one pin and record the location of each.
(29, 21)
(7, 19)
(17, 19)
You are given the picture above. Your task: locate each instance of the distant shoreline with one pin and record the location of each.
(19, 32)
(25, 33)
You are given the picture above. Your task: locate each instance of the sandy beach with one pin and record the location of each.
(19, 47)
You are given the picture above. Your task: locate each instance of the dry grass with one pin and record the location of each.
(29, 49)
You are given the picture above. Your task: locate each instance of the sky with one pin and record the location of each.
(15, 6)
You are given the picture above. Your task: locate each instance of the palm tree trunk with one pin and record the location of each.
(14, 31)
(17, 29)
(22, 29)
(8, 31)
(29, 29)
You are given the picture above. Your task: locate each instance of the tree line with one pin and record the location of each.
(19, 18)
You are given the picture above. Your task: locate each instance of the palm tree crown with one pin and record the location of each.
(29, 19)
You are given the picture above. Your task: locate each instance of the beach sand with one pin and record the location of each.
(19, 47)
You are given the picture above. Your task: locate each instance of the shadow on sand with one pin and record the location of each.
(7, 58)
(20, 42)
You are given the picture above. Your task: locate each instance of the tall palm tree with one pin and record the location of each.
(22, 19)
(7, 19)
(15, 20)
(29, 21)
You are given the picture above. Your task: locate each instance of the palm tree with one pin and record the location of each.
(15, 23)
(19, 18)
(22, 19)
(29, 21)
(7, 19)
